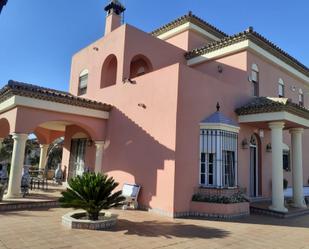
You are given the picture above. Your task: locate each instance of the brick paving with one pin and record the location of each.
(137, 229)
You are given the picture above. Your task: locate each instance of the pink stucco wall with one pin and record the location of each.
(152, 134)
(188, 40)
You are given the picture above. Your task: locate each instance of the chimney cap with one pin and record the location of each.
(116, 6)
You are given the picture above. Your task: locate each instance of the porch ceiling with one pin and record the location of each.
(262, 110)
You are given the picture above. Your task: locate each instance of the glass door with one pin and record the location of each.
(77, 157)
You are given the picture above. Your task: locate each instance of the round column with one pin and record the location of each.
(277, 164)
(98, 156)
(17, 164)
(43, 155)
(297, 167)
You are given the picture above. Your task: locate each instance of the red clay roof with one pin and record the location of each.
(52, 95)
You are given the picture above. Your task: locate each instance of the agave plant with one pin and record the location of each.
(92, 193)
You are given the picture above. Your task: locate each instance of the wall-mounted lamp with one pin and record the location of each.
(261, 133)
(244, 143)
(220, 69)
(293, 88)
(142, 105)
(128, 80)
(268, 147)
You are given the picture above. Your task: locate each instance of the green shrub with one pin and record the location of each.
(92, 193)
(235, 198)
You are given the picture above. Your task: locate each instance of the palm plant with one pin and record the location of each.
(92, 193)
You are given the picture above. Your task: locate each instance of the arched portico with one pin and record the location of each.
(277, 115)
(49, 114)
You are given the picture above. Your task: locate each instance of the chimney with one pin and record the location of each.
(113, 18)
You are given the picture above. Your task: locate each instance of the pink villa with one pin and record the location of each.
(182, 109)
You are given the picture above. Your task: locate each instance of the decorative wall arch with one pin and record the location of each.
(140, 65)
(4, 128)
(109, 71)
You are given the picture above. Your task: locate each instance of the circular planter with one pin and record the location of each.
(77, 220)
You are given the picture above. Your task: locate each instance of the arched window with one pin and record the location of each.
(255, 80)
(109, 71)
(83, 82)
(140, 65)
(280, 88)
(301, 97)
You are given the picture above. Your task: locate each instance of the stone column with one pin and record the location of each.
(297, 167)
(43, 155)
(1, 141)
(98, 156)
(277, 167)
(17, 164)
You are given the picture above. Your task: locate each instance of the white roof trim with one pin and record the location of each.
(184, 27)
(243, 45)
(273, 116)
(51, 106)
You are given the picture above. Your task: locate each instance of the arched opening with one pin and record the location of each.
(109, 71)
(4, 128)
(140, 65)
(255, 166)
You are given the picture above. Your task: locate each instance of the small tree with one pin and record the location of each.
(92, 193)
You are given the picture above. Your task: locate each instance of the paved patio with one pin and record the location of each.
(137, 229)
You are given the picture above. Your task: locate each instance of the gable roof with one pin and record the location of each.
(52, 95)
(258, 39)
(268, 104)
(192, 19)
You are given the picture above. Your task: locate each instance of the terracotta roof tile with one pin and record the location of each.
(268, 104)
(193, 19)
(257, 39)
(38, 92)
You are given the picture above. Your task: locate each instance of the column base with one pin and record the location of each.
(277, 209)
(15, 196)
(300, 205)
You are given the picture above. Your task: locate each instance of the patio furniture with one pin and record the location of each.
(58, 175)
(130, 192)
(39, 181)
(25, 181)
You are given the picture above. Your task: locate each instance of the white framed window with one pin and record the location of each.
(255, 80)
(83, 82)
(218, 158)
(280, 88)
(301, 97)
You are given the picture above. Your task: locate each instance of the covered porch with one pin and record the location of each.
(49, 114)
(277, 115)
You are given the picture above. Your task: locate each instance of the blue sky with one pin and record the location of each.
(39, 37)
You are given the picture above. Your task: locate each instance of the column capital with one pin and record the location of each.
(19, 136)
(276, 125)
(42, 146)
(99, 144)
(296, 130)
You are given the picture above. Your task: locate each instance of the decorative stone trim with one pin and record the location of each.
(69, 220)
(30, 205)
(219, 210)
